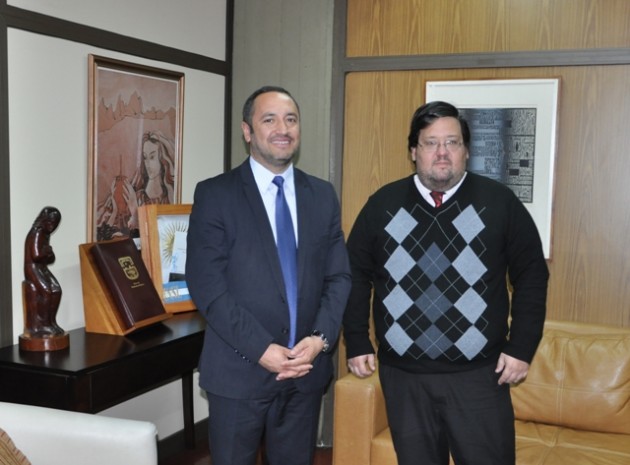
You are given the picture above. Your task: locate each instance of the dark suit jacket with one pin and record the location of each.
(234, 276)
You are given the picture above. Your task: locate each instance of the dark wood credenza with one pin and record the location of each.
(98, 371)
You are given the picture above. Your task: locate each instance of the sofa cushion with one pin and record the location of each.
(9, 453)
(580, 381)
(548, 444)
(541, 445)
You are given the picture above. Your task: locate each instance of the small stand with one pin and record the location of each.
(100, 310)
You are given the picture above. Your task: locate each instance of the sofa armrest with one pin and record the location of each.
(57, 437)
(359, 415)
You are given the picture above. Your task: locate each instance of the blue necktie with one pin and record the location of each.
(287, 251)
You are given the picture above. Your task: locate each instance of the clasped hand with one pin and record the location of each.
(291, 363)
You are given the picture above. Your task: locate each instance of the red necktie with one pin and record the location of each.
(437, 198)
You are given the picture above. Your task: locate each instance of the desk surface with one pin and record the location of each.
(88, 351)
(98, 371)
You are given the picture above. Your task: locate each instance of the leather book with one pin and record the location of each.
(127, 278)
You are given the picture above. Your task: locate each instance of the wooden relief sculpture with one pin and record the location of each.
(41, 292)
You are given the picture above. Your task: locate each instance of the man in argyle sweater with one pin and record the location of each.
(435, 249)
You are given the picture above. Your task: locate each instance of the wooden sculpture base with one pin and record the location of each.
(44, 344)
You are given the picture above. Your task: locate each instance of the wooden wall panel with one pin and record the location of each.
(590, 265)
(417, 27)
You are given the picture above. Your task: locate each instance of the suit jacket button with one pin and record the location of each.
(285, 331)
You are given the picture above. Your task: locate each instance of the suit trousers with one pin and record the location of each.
(466, 413)
(287, 420)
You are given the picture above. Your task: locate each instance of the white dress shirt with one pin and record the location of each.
(268, 191)
(426, 193)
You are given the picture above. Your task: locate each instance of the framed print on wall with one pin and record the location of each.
(163, 230)
(135, 144)
(513, 136)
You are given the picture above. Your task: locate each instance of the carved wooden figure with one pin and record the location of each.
(41, 292)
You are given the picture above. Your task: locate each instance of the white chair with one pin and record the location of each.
(57, 437)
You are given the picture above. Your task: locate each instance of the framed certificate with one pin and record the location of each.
(163, 230)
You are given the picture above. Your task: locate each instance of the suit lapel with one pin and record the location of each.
(304, 204)
(263, 228)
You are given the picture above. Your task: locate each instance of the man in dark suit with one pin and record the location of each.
(266, 359)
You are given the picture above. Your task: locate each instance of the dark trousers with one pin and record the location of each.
(288, 421)
(465, 413)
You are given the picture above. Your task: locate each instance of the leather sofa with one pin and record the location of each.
(573, 408)
(57, 437)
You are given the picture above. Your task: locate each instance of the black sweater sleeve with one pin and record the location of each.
(528, 274)
(356, 320)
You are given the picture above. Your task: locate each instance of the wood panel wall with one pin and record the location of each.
(420, 27)
(590, 263)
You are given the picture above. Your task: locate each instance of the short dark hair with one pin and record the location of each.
(428, 113)
(248, 106)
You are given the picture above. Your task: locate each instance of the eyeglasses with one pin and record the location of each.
(431, 146)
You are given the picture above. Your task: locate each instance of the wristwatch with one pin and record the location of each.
(320, 335)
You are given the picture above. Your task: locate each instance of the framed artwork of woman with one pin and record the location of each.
(135, 127)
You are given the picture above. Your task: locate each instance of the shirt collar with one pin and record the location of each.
(264, 177)
(426, 193)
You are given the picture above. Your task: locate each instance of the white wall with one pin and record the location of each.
(196, 26)
(48, 133)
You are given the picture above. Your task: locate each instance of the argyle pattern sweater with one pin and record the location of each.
(437, 278)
